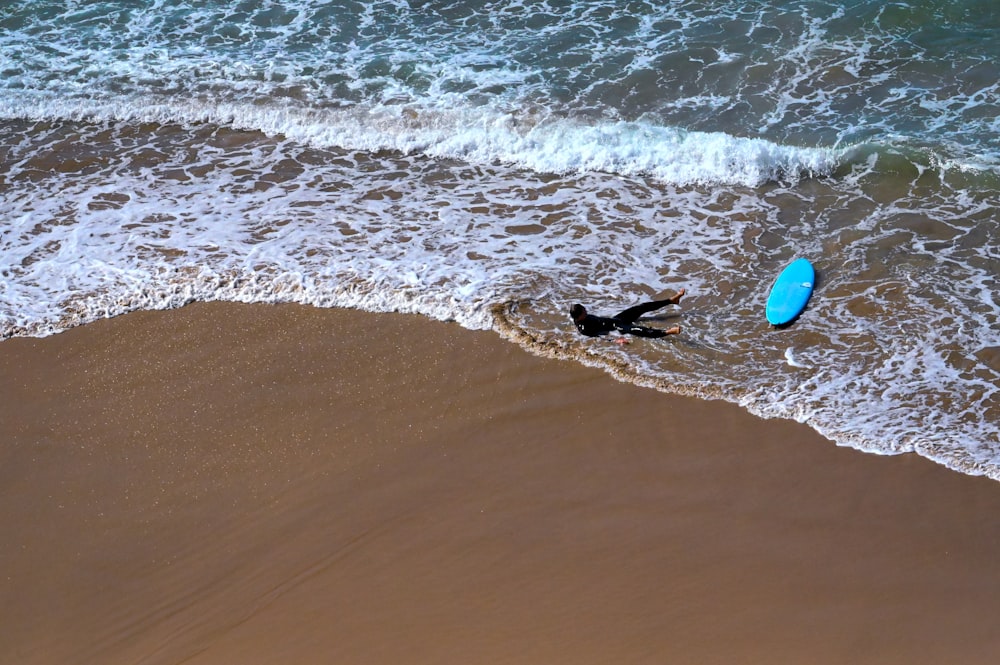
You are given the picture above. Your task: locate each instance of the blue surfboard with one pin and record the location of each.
(790, 292)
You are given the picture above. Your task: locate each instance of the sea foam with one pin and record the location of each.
(480, 136)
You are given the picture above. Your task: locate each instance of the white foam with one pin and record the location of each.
(793, 361)
(480, 136)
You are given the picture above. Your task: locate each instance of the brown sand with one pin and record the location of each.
(279, 484)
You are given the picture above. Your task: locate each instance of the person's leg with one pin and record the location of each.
(632, 313)
(643, 331)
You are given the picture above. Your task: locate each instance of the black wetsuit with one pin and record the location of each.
(623, 322)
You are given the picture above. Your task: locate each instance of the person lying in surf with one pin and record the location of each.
(624, 321)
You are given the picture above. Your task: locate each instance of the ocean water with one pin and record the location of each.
(492, 163)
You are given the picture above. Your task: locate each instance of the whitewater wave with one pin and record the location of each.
(538, 142)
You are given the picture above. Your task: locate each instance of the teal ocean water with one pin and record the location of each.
(492, 163)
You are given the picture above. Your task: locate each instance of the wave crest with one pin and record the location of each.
(540, 143)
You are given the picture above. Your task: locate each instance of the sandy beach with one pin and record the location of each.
(228, 483)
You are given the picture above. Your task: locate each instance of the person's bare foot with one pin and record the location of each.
(622, 341)
(673, 331)
(677, 297)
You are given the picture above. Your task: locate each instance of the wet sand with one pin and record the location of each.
(229, 483)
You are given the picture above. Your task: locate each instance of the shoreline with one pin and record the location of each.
(253, 483)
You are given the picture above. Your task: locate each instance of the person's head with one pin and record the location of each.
(577, 311)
